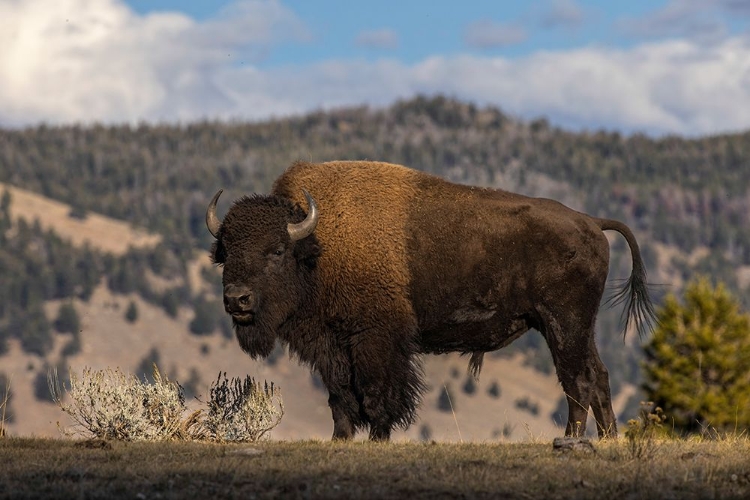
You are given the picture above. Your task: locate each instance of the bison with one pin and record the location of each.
(390, 263)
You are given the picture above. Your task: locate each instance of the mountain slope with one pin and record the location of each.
(104, 233)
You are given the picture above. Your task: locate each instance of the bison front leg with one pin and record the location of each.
(343, 426)
(388, 378)
(344, 404)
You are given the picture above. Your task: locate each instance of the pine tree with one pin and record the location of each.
(446, 402)
(73, 347)
(425, 432)
(204, 322)
(697, 363)
(5, 221)
(559, 415)
(470, 387)
(35, 334)
(67, 319)
(494, 389)
(131, 314)
(5, 201)
(41, 385)
(170, 303)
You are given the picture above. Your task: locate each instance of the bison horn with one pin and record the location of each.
(212, 222)
(306, 227)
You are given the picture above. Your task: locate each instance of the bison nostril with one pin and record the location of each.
(238, 299)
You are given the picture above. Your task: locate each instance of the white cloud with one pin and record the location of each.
(488, 34)
(377, 39)
(668, 87)
(95, 60)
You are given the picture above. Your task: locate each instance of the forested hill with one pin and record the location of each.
(686, 199)
(681, 192)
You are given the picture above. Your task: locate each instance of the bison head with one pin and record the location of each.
(268, 250)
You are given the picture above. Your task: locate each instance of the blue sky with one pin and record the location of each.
(424, 28)
(660, 67)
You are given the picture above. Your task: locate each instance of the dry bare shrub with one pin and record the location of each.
(242, 410)
(111, 404)
(4, 401)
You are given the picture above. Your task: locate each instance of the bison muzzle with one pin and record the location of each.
(388, 263)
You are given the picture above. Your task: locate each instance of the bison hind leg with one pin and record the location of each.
(582, 374)
(601, 403)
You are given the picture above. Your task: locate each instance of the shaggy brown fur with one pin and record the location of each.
(403, 263)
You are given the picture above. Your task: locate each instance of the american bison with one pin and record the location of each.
(390, 263)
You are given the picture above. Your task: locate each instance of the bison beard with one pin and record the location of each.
(257, 341)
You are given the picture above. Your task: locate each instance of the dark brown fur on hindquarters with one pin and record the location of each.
(390, 263)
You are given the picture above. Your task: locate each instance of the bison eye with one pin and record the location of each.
(278, 250)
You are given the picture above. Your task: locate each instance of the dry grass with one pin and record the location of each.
(308, 469)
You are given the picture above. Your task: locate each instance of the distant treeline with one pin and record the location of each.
(686, 193)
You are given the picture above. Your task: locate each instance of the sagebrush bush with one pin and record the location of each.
(242, 410)
(111, 404)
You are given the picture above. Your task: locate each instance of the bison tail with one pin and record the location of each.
(634, 293)
(475, 364)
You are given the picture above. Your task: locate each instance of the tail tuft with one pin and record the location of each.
(475, 364)
(638, 309)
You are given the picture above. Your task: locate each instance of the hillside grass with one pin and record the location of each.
(62, 468)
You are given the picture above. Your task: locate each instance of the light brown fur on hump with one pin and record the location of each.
(363, 212)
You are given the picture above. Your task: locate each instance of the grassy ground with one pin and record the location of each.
(34, 468)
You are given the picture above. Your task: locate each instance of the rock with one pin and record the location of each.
(567, 444)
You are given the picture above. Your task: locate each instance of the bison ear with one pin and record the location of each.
(307, 251)
(218, 253)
